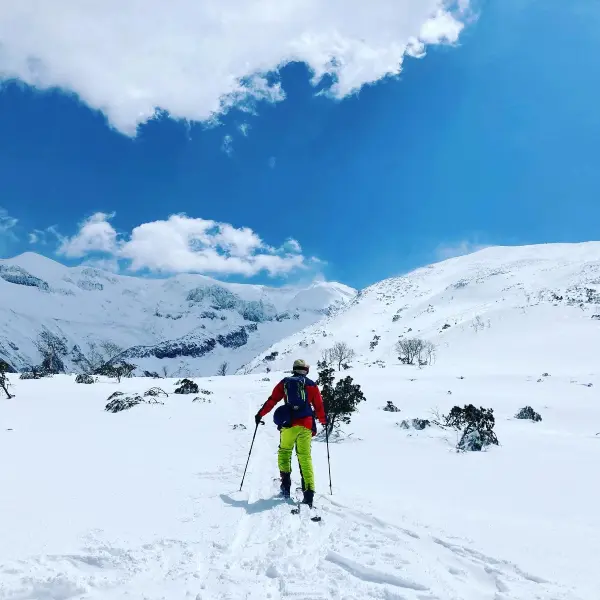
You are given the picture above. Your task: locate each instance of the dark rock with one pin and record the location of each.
(235, 339)
(20, 276)
(391, 407)
(84, 378)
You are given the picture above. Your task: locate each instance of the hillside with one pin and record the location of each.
(499, 309)
(146, 504)
(188, 324)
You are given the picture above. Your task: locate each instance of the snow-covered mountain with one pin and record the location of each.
(189, 324)
(499, 306)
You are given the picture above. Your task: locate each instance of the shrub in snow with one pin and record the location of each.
(472, 441)
(340, 354)
(28, 375)
(391, 407)
(186, 386)
(4, 383)
(446, 326)
(223, 368)
(206, 392)
(116, 370)
(529, 414)
(414, 349)
(118, 402)
(545, 374)
(156, 392)
(240, 426)
(151, 374)
(202, 400)
(374, 342)
(476, 424)
(265, 379)
(340, 401)
(418, 424)
(271, 357)
(53, 349)
(84, 378)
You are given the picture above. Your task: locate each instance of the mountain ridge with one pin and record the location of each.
(85, 305)
(516, 289)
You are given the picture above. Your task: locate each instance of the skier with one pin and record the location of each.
(296, 422)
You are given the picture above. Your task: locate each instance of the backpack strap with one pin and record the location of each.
(302, 388)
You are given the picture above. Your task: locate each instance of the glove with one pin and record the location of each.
(257, 419)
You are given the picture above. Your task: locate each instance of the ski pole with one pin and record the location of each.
(249, 454)
(328, 459)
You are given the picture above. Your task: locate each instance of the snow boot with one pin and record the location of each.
(286, 484)
(309, 496)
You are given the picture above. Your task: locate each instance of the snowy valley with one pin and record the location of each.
(145, 503)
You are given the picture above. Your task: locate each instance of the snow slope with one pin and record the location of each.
(502, 307)
(144, 504)
(188, 323)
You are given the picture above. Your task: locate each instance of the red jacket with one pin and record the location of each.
(313, 396)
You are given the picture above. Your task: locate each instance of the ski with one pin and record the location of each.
(315, 518)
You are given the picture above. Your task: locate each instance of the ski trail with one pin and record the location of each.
(248, 546)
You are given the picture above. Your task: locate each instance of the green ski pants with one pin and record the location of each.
(301, 438)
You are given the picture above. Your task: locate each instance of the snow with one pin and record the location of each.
(145, 503)
(501, 307)
(84, 305)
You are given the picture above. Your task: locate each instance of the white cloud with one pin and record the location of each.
(7, 223)
(195, 59)
(272, 162)
(244, 129)
(183, 244)
(446, 251)
(227, 145)
(104, 264)
(293, 245)
(95, 234)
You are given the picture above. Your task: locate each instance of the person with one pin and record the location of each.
(297, 424)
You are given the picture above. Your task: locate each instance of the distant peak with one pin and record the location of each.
(33, 261)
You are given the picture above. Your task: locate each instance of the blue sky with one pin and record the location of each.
(493, 140)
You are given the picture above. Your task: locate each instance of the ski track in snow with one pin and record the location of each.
(257, 549)
(274, 554)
